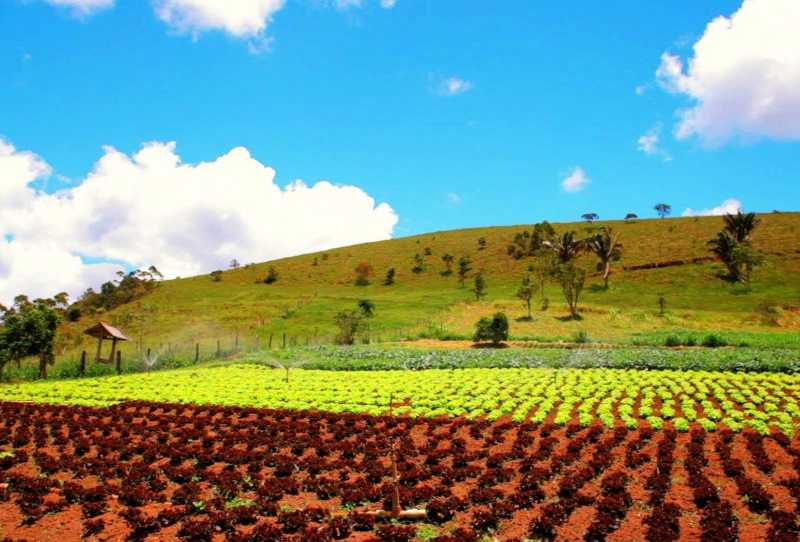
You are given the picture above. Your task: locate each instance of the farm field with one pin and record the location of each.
(161, 471)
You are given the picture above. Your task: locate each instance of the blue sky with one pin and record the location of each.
(356, 93)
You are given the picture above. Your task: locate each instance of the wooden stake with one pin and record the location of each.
(82, 368)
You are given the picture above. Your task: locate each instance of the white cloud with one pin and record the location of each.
(242, 18)
(729, 206)
(453, 86)
(388, 4)
(575, 181)
(649, 143)
(454, 198)
(82, 7)
(743, 76)
(149, 208)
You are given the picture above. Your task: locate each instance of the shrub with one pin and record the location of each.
(216, 276)
(582, 337)
(672, 340)
(363, 272)
(713, 341)
(493, 329)
(272, 276)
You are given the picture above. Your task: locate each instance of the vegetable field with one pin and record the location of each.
(157, 471)
(678, 399)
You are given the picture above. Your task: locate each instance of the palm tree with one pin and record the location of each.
(741, 225)
(724, 247)
(608, 249)
(566, 247)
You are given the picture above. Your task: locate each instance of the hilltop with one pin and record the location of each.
(312, 288)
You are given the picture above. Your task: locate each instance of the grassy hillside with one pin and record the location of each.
(312, 288)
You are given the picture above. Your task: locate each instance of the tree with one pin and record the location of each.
(606, 246)
(663, 209)
(427, 251)
(234, 264)
(630, 217)
(363, 273)
(216, 276)
(481, 243)
(366, 307)
(272, 276)
(572, 280)
(741, 225)
(419, 263)
(526, 244)
(493, 329)
(566, 247)
(389, 280)
(479, 287)
(590, 217)
(464, 267)
(448, 264)
(525, 293)
(732, 246)
(29, 329)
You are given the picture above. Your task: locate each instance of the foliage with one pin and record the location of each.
(590, 217)
(479, 287)
(216, 275)
(389, 279)
(481, 243)
(419, 264)
(464, 267)
(733, 247)
(526, 244)
(566, 247)
(447, 258)
(126, 288)
(631, 216)
(525, 293)
(29, 329)
(606, 246)
(572, 279)
(272, 276)
(494, 329)
(663, 209)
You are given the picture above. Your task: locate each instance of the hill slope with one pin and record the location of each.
(312, 288)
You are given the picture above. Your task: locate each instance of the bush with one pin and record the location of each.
(672, 340)
(493, 329)
(272, 276)
(582, 337)
(691, 341)
(73, 314)
(216, 276)
(712, 341)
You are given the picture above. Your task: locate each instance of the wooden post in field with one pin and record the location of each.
(196, 352)
(119, 362)
(236, 342)
(270, 341)
(284, 340)
(148, 352)
(219, 352)
(82, 367)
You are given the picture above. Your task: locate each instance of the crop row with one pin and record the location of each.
(182, 472)
(368, 358)
(681, 399)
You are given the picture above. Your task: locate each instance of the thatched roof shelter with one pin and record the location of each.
(106, 332)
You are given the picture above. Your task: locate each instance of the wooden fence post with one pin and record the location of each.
(119, 362)
(284, 340)
(219, 352)
(82, 368)
(196, 352)
(270, 341)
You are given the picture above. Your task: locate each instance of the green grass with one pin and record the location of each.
(303, 302)
(759, 400)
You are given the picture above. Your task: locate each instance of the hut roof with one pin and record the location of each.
(106, 331)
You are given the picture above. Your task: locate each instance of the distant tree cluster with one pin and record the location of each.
(126, 288)
(29, 329)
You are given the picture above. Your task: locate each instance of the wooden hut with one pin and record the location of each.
(106, 332)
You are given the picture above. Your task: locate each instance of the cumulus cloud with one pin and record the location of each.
(453, 86)
(729, 206)
(241, 19)
(82, 7)
(150, 208)
(576, 181)
(743, 76)
(649, 143)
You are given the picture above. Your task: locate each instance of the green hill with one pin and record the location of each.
(312, 288)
